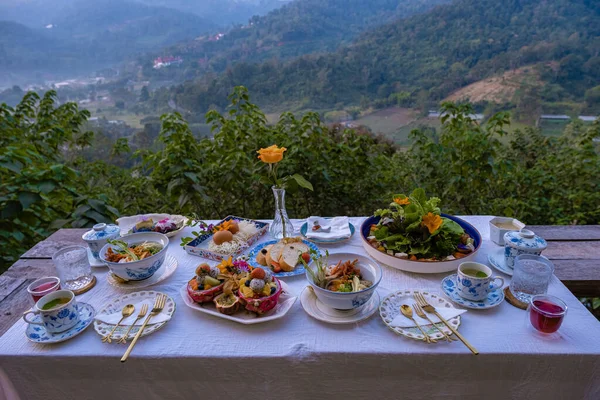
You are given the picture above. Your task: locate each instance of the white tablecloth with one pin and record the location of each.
(200, 356)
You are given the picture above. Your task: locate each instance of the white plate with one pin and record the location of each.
(38, 334)
(166, 270)
(127, 223)
(390, 308)
(286, 301)
(497, 260)
(320, 311)
(117, 305)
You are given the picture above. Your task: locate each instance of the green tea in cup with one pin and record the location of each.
(55, 303)
(474, 273)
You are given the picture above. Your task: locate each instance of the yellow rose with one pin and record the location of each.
(271, 154)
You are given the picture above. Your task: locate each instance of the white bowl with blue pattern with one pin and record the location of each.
(369, 270)
(142, 269)
(493, 299)
(522, 242)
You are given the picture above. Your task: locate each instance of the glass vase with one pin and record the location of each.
(281, 226)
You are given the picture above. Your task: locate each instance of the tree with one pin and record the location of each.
(120, 104)
(592, 96)
(144, 94)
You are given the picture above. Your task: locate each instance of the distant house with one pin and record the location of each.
(162, 62)
(551, 117)
(587, 118)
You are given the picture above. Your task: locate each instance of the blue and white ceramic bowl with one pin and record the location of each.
(142, 269)
(369, 270)
(57, 319)
(522, 242)
(97, 237)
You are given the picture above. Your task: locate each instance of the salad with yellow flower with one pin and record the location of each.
(413, 228)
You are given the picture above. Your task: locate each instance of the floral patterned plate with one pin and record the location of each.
(166, 270)
(320, 311)
(299, 270)
(494, 298)
(38, 334)
(390, 308)
(286, 301)
(117, 305)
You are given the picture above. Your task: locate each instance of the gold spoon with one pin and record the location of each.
(126, 312)
(408, 313)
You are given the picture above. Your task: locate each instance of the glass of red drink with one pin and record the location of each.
(546, 313)
(41, 287)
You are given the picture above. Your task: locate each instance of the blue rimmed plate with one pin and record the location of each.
(299, 270)
(494, 298)
(38, 334)
(304, 230)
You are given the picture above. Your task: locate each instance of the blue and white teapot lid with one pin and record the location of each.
(102, 231)
(525, 240)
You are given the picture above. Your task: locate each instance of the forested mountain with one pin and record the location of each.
(300, 27)
(428, 55)
(90, 36)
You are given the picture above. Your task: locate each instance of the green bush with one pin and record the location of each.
(473, 168)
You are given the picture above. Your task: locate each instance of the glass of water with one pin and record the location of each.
(531, 277)
(73, 268)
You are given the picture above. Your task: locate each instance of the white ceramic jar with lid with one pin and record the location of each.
(522, 242)
(96, 237)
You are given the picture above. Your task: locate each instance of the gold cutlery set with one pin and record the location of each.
(128, 310)
(422, 308)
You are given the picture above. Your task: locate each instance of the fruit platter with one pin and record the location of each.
(166, 224)
(412, 234)
(282, 257)
(228, 238)
(234, 290)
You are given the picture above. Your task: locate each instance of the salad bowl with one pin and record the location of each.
(421, 267)
(141, 269)
(369, 270)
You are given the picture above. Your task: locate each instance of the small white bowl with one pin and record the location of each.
(369, 270)
(497, 233)
(142, 269)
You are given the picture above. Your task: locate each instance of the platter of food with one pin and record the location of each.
(166, 224)
(228, 238)
(235, 291)
(282, 257)
(414, 235)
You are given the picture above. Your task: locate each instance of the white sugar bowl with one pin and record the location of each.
(522, 242)
(97, 237)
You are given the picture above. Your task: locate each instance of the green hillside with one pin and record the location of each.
(428, 56)
(299, 27)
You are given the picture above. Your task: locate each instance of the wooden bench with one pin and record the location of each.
(574, 250)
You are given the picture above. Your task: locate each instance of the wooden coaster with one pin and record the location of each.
(512, 300)
(87, 287)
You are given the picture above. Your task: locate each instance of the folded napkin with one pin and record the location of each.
(401, 321)
(331, 229)
(114, 318)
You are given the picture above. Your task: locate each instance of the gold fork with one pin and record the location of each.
(159, 304)
(430, 309)
(141, 315)
(421, 314)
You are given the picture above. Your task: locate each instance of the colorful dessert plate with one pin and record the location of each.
(127, 223)
(390, 308)
(38, 334)
(286, 301)
(117, 305)
(321, 312)
(304, 230)
(299, 270)
(494, 298)
(166, 270)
